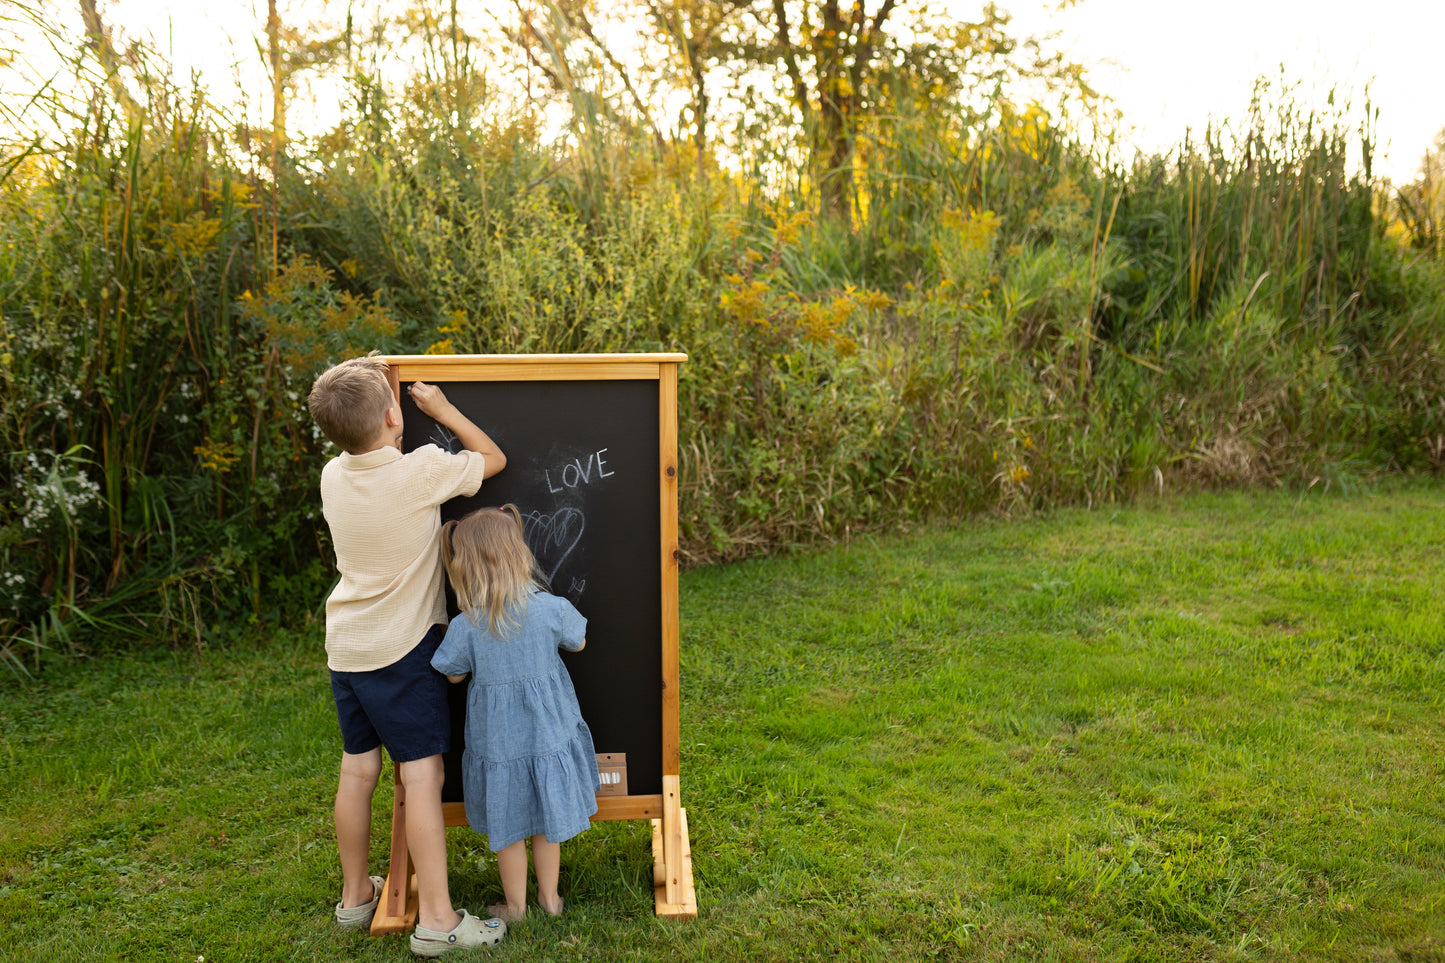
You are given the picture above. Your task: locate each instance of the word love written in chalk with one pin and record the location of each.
(576, 473)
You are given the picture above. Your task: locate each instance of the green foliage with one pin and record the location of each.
(161, 458)
(112, 254)
(1006, 321)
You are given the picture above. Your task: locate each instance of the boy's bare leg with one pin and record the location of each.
(547, 861)
(512, 867)
(353, 824)
(427, 840)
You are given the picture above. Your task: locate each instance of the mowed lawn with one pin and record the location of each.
(1208, 728)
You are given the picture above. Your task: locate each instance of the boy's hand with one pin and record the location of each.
(429, 400)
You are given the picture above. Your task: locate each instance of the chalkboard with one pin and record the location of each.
(582, 466)
(591, 446)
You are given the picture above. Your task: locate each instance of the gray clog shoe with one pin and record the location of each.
(471, 932)
(359, 917)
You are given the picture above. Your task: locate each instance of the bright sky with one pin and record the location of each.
(1176, 64)
(1169, 65)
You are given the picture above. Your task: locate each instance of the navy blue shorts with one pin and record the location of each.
(402, 706)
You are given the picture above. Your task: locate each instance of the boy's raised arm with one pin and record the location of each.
(431, 402)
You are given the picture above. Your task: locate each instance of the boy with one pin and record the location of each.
(384, 619)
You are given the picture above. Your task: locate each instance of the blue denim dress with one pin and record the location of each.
(529, 767)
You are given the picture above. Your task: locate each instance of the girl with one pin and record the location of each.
(529, 768)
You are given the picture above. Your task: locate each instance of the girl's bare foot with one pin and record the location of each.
(552, 909)
(502, 911)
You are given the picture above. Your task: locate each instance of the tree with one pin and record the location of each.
(833, 68)
(98, 40)
(546, 36)
(699, 31)
(842, 48)
(840, 66)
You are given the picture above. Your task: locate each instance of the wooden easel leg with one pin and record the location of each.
(396, 913)
(673, 890)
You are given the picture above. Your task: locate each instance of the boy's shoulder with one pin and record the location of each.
(427, 475)
(345, 471)
(387, 457)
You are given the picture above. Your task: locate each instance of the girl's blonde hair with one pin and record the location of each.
(491, 568)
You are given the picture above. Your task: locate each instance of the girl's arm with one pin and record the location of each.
(569, 624)
(452, 655)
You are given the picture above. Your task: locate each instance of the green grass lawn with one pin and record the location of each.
(1208, 729)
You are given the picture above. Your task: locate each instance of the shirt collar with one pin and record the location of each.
(375, 458)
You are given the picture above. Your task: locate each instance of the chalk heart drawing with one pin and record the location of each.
(553, 537)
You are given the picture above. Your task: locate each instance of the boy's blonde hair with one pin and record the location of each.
(491, 568)
(349, 401)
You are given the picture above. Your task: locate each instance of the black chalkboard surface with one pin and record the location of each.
(591, 446)
(582, 466)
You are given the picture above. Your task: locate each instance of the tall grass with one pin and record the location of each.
(1008, 320)
(1278, 202)
(1259, 282)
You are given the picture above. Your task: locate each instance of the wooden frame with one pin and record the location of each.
(673, 891)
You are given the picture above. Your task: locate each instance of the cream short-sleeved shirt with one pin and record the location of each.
(384, 511)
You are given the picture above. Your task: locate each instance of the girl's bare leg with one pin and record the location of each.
(512, 866)
(547, 859)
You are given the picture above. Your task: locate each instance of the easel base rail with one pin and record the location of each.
(686, 906)
(397, 911)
